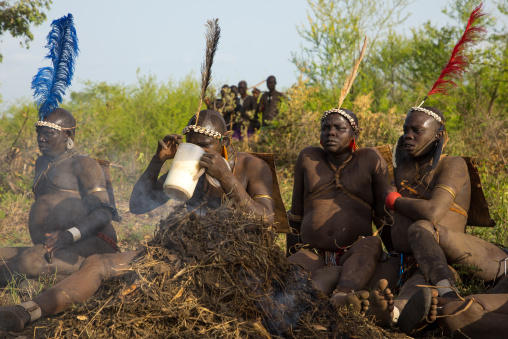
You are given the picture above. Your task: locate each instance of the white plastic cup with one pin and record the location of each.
(184, 172)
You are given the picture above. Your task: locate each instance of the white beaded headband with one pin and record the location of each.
(426, 111)
(41, 123)
(344, 114)
(202, 130)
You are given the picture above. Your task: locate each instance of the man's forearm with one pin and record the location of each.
(94, 222)
(235, 192)
(147, 193)
(151, 174)
(417, 209)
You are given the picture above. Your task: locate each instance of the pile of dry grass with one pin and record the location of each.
(216, 276)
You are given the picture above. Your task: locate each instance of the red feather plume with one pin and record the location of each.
(458, 63)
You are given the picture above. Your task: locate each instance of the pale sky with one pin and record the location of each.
(166, 39)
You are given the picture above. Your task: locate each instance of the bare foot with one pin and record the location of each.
(381, 303)
(420, 310)
(356, 300)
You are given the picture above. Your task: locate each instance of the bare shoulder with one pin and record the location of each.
(369, 152)
(85, 160)
(83, 164)
(371, 155)
(453, 163)
(255, 168)
(312, 154)
(249, 159)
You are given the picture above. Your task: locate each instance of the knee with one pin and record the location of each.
(308, 260)
(96, 264)
(418, 228)
(371, 245)
(32, 262)
(368, 247)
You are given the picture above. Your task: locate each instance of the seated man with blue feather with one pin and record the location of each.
(71, 216)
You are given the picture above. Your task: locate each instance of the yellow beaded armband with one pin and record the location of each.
(448, 189)
(263, 196)
(97, 189)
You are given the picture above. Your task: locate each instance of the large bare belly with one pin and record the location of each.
(53, 212)
(329, 224)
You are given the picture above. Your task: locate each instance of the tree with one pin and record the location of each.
(335, 32)
(16, 18)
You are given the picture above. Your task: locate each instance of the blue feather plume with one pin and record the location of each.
(50, 83)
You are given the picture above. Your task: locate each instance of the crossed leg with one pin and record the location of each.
(355, 268)
(33, 262)
(435, 247)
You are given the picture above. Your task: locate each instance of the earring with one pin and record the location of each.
(70, 143)
(352, 145)
(224, 152)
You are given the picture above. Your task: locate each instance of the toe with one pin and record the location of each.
(381, 285)
(363, 295)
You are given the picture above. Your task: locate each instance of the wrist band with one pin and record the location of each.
(76, 234)
(33, 309)
(390, 200)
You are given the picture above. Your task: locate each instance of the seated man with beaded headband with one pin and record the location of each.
(337, 191)
(430, 215)
(248, 183)
(71, 216)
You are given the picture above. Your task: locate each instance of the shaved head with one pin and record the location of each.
(210, 119)
(62, 118)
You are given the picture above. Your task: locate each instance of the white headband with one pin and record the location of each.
(41, 123)
(344, 114)
(202, 130)
(426, 111)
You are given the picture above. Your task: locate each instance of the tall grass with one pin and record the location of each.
(123, 123)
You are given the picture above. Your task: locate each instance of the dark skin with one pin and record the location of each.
(419, 128)
(252, 177)
(427, 228)
(334, 220)
(256, 94)
(270, 83)
(217, 104)
(242, 88)
(487, 317)
(365, 176)
(269, 101)
(62, 180)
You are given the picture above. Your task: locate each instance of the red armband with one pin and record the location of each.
(390, 200)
